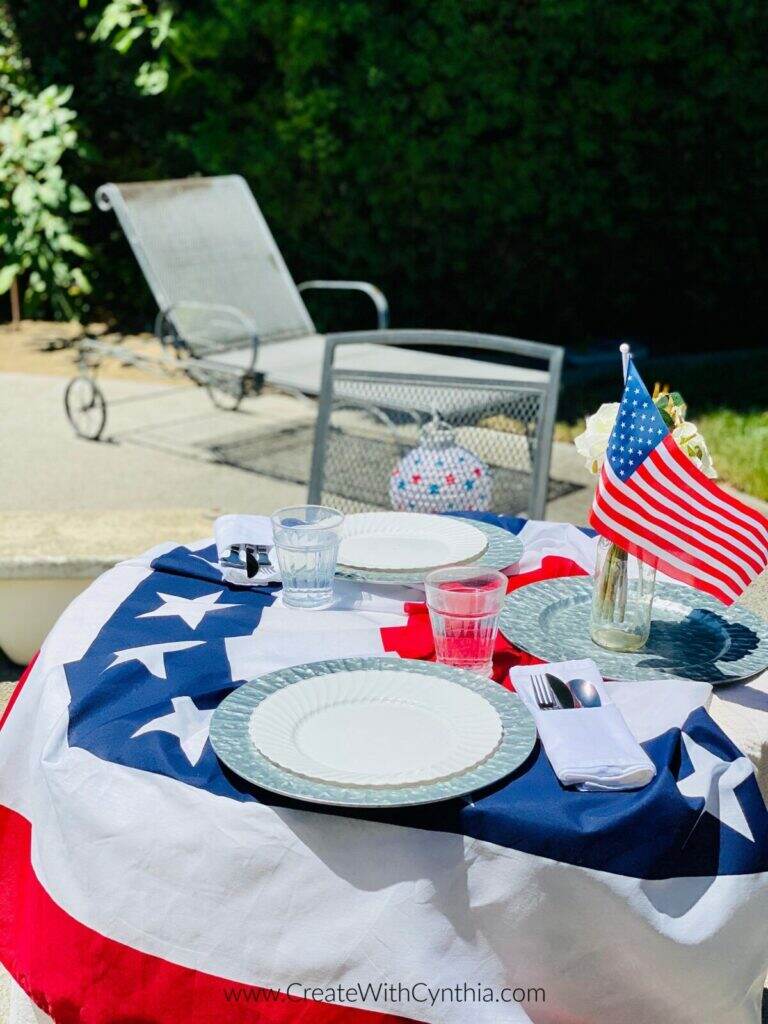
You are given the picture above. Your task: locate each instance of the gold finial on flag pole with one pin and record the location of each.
(624, 349)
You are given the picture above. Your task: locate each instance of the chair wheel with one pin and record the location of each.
(85, 407)
(227, 396)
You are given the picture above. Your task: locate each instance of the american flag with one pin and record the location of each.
(653, 501)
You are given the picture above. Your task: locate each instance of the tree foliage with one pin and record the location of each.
(123, 22)
(36, 200)
(559, 169)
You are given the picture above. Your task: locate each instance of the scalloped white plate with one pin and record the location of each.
(375, 727)
(407, 541)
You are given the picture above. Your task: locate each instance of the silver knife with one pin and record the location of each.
(562, 694)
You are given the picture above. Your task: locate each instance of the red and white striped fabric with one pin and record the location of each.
(653, 501)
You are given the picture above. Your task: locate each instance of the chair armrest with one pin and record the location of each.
(376, 295)
(164, 317)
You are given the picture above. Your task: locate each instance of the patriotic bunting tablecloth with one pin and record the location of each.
(140, 882)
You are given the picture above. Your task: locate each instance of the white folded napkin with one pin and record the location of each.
(236, 529)
(590, 748)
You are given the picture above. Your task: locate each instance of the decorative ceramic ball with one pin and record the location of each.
(440, 476)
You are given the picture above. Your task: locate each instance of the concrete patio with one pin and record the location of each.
(168, 447)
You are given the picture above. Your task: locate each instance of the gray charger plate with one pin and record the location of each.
(693, 636)
(504, 549)
(232, 743)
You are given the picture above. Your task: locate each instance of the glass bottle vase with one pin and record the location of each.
(622, 599)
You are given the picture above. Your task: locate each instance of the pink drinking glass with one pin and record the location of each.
(464, 604)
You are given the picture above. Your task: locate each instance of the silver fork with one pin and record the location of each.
(256, 557)
(542, 691)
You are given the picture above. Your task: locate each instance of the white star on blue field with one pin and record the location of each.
(638, 428)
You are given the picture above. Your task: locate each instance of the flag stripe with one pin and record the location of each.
(691, 529)
(640, 550)
(692, 513)
(648, 544)
(81, 974)
(694, 480)
(656, 541)
(635, 495)
(673, 526)
(655, 544)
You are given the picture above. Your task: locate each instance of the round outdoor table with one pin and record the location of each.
(143, 881)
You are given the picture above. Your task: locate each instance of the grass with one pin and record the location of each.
(727, 395)
(738, 443)
(739, 446)
(567, 431)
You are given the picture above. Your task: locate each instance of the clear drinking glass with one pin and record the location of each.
(464, 604)
(307, 546)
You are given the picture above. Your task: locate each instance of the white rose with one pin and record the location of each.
(593, 443)
(695, 447)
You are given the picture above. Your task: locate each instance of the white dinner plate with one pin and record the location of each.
(375, 727)
(231, 738)
(407, 541)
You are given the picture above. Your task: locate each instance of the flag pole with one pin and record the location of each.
(624, 349)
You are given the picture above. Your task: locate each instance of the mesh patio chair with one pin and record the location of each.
(222, 288)
(490, 424)
(229, 310)
(224, 294)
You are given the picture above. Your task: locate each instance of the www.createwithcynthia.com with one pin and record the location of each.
(389, 993)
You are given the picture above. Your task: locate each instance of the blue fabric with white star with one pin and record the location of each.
(681, 824)
(638, 428)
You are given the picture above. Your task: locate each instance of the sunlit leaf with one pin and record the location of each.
(152, 78)
(8, 275)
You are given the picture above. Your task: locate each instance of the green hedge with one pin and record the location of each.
(557, 169)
